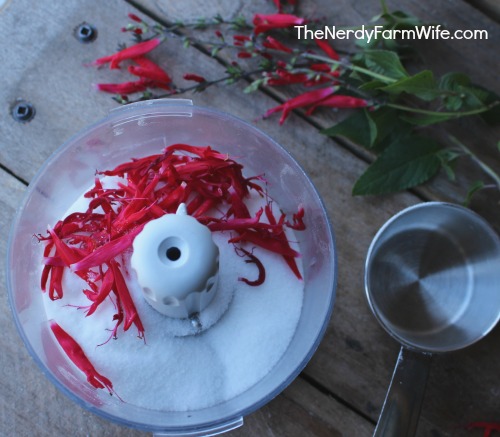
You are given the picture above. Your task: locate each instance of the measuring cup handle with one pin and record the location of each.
(401, 409)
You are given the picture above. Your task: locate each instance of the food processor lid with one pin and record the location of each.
(95, 142)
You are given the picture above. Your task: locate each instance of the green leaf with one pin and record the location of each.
(448, 158)
(474, 188)
(365, 44)
(385, 62)
(201, 24)
(453, 103)
(404, 164)
(389, 128)
(385, 9)
(254, 86)
(421, 85)
(451, 81)
(359, 128)
(372, 85)
(215, 51)
(492, 116)
(460, 92)
(427, 119)
(239, 23)
(473, 97)
(406, 21)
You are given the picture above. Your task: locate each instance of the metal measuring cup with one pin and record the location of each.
(432, 279)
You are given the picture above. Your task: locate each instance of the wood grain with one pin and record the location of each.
(28, 400)
(491, 8)
(355, 359)
(344, 385)
(441, 56)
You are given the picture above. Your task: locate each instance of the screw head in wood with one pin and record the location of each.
(85, 33)
(22, 111)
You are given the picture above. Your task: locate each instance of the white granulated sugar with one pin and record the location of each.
(196, 371)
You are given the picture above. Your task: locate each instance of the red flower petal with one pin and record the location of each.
(134, 18)
(263, 23)
(339, 101)
(129, 53)
(272, 43)
(107, 251)
(123, 88)
(121, 289)
(194, 77)
(104, 290)
(76, 354)
(150, 70)
(327, 48)
(252, 259)
(305, 99)
(241, 38)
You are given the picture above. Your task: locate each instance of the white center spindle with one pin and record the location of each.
(177, 264)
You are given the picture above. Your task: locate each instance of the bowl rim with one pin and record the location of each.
(117, 114)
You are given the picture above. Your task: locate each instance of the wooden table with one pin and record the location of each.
(342, 389)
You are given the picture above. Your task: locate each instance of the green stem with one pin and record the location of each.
(446, 114)
(202, 86)
(486, 168)
(385, 79)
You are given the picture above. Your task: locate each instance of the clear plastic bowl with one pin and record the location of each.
(138, 130)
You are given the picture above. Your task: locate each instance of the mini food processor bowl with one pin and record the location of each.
(138, 130)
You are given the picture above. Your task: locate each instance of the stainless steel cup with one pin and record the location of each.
(432, 279)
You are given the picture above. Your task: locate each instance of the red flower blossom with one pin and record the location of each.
(306, 99)
(123, 88)
(76, 354)
(327, 48)
(239, 40)
(194, 77)
(265, 55)
(263, 23)
(123, 294)
(151, 76)
(252, 259)
(272, 43)
(324, 68)
(339, 101)
(243, 55)
(132, 52)
(488, 427)
(149, 70)
(284, 77)
(135, 18)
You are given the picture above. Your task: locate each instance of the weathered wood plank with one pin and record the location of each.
(355, 359)
(29, 403)
(489, 7)
(38, 405)
(43, 64)
(302, 411)
(441, 56)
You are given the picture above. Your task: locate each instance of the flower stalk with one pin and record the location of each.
(374, 77)
(482, 165)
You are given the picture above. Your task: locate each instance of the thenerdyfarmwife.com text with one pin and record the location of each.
(379, 32)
